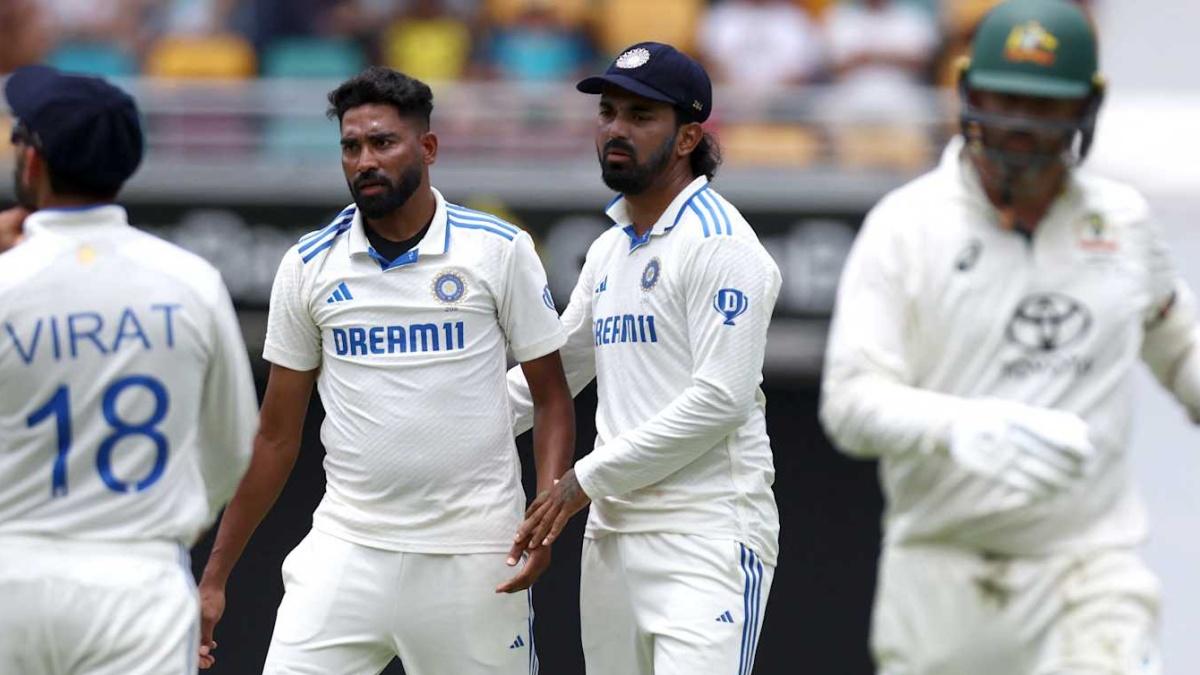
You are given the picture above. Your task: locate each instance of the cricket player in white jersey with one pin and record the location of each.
(401, 311)
(126, 401)
(986, 331)
(670, 316)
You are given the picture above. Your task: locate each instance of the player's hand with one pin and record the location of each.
(548, 514)
(12, 228)
(535, 563)
(212, 606)
(1035, 450)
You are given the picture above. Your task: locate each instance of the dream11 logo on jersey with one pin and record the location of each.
(1044, 325)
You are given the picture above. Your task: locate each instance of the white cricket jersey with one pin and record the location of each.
(419, 450)
(939, 304)
(673, 327)
(127, 408)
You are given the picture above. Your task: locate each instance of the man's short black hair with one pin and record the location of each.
(409, 96)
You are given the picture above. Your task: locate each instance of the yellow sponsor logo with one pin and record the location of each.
(1030, 42)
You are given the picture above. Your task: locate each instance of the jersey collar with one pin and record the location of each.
(618, 211)
(77, 220)
(435, 242)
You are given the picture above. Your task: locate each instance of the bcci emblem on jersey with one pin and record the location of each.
(730, 303)
(650, 274)
(449, 287)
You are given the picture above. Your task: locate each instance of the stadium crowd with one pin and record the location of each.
(816, 79)
(761, 43)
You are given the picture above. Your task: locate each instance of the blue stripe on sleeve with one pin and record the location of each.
(313, 253)
(711, 200)
(711, 211)
(340, 225)
(465, 214)
(703, 218)
(485, 228)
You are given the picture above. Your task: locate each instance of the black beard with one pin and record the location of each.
(391, 199)
(24, 193)
(635, 178)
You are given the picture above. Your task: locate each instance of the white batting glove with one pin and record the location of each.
(1038, 451)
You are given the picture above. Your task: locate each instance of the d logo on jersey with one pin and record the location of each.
(730, 303)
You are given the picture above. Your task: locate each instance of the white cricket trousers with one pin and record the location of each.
(349, 609)
(671, 604)
(71, 607)
(950, 611)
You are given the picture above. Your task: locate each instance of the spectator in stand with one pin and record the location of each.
(114, 21)
(430, 42)
(270, 20)
(192, 17)
(23, 38)
(760, 43)
(881, 53)
(539, 46)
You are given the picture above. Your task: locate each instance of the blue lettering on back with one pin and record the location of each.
(78, 334)
(26, 356)
(130, 328)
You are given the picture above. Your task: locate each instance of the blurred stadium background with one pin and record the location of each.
(821, 107)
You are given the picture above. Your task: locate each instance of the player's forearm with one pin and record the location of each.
(869, 416)
(553, 440)
(1172, 350)
(699, 418)
(270, 467)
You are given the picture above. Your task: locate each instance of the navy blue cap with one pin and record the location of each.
(659, 72)
(87, 130)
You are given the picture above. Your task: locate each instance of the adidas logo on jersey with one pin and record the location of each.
(517, 644)
(342, 294)
(725, 618)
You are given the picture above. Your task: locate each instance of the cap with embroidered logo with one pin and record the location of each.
(86, 129)
(658, 72)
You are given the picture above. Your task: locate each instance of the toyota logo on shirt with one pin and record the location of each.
(1048, 321)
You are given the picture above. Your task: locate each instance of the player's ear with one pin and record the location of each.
(688, 137)
(429, 147)
(32, 167)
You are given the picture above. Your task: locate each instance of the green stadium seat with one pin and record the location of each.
(312, 57)
(304, 137)
(93, 58)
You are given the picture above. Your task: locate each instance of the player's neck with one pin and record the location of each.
(407, 221)
(648, 206)
(1025, 215)
(52, 201)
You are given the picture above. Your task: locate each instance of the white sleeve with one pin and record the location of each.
(870, 405)
(525, 308)
(293, 338)
(578, 355)
(1170, 347)
(730, 290)
(228, 408)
